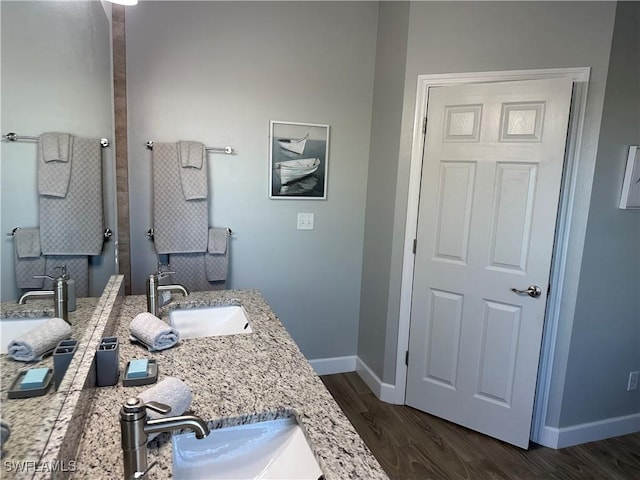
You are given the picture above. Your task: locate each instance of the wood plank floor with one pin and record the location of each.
(412, 445)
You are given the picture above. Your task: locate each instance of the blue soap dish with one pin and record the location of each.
(140, 372)
(33, 382)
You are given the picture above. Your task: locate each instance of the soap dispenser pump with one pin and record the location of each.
(71, 288)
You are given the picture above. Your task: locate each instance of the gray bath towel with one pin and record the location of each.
(216, 260)
(77, 269)
(39, 341)
(54, 167)
(218, 240)
(73, 225)
(180, 226)
(171, 391)
(193, 170)
(28, 258)
(153, 332)
(191, 154)
(190, 271)
(25, 269)
(27, 242)
(216, 266)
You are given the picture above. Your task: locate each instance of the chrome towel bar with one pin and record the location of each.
(226, 149)
(13, 137)
(150, 232)
(108, 233)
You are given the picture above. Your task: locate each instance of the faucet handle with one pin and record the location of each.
(44, 276)
(63, 269)
(162, 274)
(62, 276)
(135, 405)
(158, 407)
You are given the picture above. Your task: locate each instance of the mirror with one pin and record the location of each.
(62, 411)
(56, 77)
(30, 419)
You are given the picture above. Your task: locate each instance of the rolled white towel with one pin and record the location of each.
(172, 392)
(39, 341)
(153, 332)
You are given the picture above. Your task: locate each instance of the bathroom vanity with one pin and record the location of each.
(235, 379)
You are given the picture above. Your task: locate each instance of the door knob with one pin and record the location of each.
(533, 291)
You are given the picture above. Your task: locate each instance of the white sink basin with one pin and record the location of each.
(276, 449)
(210, 321)
(11, 328)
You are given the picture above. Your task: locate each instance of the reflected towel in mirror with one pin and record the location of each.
(74, 225)
(39, 341)
(54, 167)
(28, 258)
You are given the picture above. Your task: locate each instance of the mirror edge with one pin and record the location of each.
(60, 450)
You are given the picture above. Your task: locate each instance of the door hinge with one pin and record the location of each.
(424, 125)
(406, 358)
(415, 245)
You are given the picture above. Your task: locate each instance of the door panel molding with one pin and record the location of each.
(580, 77)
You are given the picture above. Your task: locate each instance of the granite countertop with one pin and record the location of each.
(235, 379)
(31, 419)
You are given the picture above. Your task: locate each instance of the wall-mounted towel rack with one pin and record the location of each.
(150, 232)
(12, 137)
(108, 233)
(227, 149)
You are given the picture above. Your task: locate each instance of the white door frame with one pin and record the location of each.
(580, 77)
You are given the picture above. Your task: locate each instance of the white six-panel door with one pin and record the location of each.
(491, 176)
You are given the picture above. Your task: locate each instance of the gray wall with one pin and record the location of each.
(218, 73)
(373, 336)
(605, 340)
(56, 76)
(448, 37)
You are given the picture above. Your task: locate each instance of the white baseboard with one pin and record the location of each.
(590, 432)
(384, 391)
(328, 366)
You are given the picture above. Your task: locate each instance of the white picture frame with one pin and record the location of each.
(630, 196)
(298, 160)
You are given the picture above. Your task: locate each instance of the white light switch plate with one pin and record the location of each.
(305, 221)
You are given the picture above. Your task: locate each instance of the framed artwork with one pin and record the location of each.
(630, 197)
(298, 160)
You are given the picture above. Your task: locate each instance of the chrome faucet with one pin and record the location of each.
(59, 294)
(135, 429)
(153, 289)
